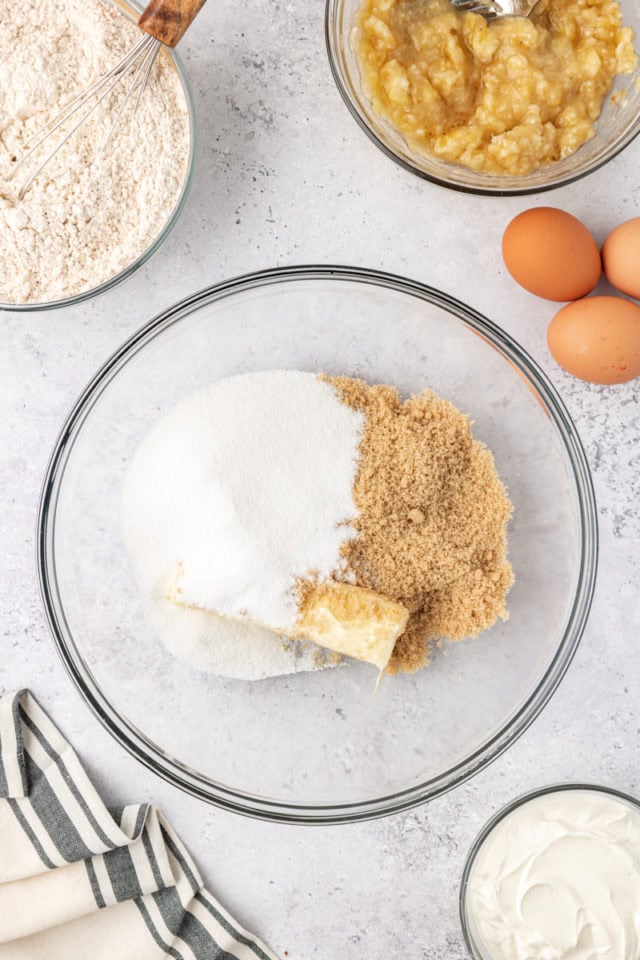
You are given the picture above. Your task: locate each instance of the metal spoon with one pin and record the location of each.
(492, 10)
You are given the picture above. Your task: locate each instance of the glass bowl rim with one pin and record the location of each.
(169, 224)
(498, 817)
(233, 799)
(331, 9)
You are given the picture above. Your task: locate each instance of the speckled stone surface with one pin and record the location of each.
(284, 176)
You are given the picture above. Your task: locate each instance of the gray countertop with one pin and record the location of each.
(284, 176)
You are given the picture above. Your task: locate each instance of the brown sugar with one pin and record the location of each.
(431, 531)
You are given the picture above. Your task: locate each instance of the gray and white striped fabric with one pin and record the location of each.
(81, 882)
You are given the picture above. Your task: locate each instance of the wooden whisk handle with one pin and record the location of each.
(168, 20)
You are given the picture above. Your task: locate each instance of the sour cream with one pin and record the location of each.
(558, 878)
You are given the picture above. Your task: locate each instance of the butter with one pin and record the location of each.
(347, 619)
(352, 621)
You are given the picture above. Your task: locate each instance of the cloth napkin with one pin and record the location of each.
(81, 882)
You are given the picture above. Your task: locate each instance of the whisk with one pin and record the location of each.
(164, 22)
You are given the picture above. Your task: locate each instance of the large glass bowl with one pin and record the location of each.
(132, 10)
(617, 126)
(319, 747)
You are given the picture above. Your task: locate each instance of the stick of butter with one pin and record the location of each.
(351, 620)
(347, 619)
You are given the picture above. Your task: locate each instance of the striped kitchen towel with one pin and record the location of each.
(81, 882)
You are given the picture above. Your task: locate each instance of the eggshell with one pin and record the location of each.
(551, 253)
(597, 339)
(621, 257)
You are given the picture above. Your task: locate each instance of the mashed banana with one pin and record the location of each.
(502, 97)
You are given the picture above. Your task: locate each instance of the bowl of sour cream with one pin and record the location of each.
(555, 875)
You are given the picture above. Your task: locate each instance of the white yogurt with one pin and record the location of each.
(558, 878)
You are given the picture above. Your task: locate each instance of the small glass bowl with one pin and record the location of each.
(472, 939)
(319, 747)
(129, 11)
(616, 127)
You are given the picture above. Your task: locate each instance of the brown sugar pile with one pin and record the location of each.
(431, 533)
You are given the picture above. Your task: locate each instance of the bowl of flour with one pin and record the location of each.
(92, 216)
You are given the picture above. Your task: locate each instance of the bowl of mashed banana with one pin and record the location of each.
(512, 105)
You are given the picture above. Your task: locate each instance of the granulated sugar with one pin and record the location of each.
(88, 215)
(244, 488)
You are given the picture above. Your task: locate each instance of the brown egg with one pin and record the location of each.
(550, 253)
(621, 257)
(597, 339)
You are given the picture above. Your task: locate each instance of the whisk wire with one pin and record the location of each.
(65, 139)
(141, 72)
(148, 47)
(90, 91)
(147, 74)
(74, 105)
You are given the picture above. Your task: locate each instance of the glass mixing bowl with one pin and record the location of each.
(470, 928)
(132, 11)
(616, 127)
(319, 747)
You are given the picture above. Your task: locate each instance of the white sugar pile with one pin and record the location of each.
(245, 487)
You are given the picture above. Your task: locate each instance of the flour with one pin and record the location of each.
(86, 217)
(245, 487)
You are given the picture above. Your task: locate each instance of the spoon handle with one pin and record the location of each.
(168, 20)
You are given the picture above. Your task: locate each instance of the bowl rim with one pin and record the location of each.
(332, 7)
(174, 216)
(236, 800)
(497, 818)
